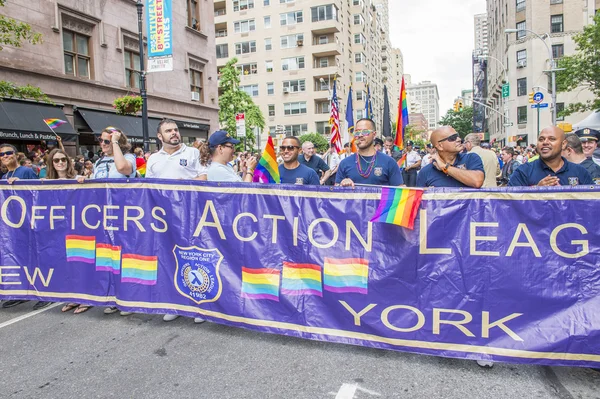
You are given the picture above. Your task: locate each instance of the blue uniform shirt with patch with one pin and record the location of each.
(22, 172)
(385, 171)
(531, 173)
(315, 163)
(300, 175)
(429, 176)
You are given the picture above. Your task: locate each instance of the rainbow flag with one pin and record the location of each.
(108, 258)
(81, 249)
(142, 169)
(301, 279)
(402, 120)
(346, 275)
(398, 206)
(402, 160)
(139, 269)
(260, 283)
(54, 123)
(267, 170)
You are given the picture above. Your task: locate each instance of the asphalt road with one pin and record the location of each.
(92, 355)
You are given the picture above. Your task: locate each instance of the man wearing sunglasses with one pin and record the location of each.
(292, 171)
(8, 155)
(450, 167)
(222, 149)
(368, 166)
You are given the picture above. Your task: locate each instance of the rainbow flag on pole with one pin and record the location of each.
(267, 170)
(346, 275)
(260, 283)
(398, 206)
(108, 258)
(54, 123)
(402, 120)
(139, 269)
(301, 279)
(81, 249)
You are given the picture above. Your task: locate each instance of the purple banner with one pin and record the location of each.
(506, 275)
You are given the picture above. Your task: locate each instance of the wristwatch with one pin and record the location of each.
(445, 168)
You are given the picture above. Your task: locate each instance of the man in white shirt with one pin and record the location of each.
(333, 161)
(413, 163)
(489, 159)
(222, 149)
(175, 160)
(427, 158)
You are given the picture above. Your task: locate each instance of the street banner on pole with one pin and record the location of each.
(240, 125)
(160, 36)
(306, 262)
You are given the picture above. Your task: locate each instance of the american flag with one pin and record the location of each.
(334, 121)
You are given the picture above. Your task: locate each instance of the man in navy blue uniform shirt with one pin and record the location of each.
(8, 155)
(450, 167)
(551, 169)
(368, 166)
(292, 171)
(314, 162)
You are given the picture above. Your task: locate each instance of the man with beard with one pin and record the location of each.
(368, 166)
(551, 169)
(8, 154)
(292, 171)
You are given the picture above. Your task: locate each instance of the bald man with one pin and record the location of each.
(551, 169)
(450, 167)
(314, 162)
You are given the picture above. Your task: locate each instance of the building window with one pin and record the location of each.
(522, 114)
(267, 20)
(268, 45)
(558, 50)
(358, 19)
(248, 69)
(132, 69)
(291, 41)
(359, 38)
(245, 47)
(521, 58)
(267, 2)
(294, 86)
(556, 23)
(361, 77)
(323, 62)
(296, 130)
(222, 51)
(323, 13)
(297, 108)
(251, 90)
(244, 26)
(193, 14)
(77, 54)
(323, 107)
(291, 64)
(360, 113)
(522, 87)
(270, 88)
(521, 26)
(323, 39)
(241, 5)
(291, 18)
(360, 95)
(359, 58)
(521, 5)
(196, 79)
(323, 128)
(286, 1)
(271, 109)
(560, 107)
(269, 66)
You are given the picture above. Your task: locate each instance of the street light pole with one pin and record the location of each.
(504, 101)
(143, 94)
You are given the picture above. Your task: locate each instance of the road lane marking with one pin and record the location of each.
(28, 315)
(346, 391)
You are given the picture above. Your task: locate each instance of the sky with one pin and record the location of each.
(436, 39)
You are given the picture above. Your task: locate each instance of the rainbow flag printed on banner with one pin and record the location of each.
(398, 206)
(108, 258)
(346, 275)
(81, 248)
(260, 283)
(53, 123)
(301, 279)
(139, 269)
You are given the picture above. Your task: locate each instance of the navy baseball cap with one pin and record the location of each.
(587, 134)
(221, 137)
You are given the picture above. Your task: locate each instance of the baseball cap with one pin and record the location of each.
(221, 137)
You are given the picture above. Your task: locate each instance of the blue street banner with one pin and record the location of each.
(505, 275)
(160, 35)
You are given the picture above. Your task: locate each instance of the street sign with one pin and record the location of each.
(543, 105)
(538, 97)
(505, 90)
(240, 125)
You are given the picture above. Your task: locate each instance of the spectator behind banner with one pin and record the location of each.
(450, 167)
(292, 171)
(551, 169)
(313, 161)
(332, 160)
(116, 161)
(222, 149)
(573, 152)
(510, 165)
(14, 171)
(427, 157)
(589, 142)
(490, 162)
(412, 165)
(389, 149)
(378, 144)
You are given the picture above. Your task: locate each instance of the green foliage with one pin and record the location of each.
(128, 105)
(320, 142)
(232, 101)
(461, 121)
(10, 90)
(582, 69)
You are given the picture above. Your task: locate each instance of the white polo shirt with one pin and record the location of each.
(412, 158)
(182, 164)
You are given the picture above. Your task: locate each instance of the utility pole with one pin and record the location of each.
(143, 94)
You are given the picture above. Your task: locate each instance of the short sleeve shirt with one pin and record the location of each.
(182, 164)
(412, 158)
(530, 174)
(315, 163)
(220, 172)
(105, 168)
(429, 176)
(593, 169)
(300, 175)
(22, 172)
(385, 171)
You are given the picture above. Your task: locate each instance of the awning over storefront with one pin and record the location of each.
(130, 125)
(22, 120)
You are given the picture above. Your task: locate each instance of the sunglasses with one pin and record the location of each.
(58, 160)
(288, 147)
(101, 140)
(361, 133)
(7, 153)
(451, 139)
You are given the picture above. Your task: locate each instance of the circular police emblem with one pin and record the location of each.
(378, 171)
(196, 280)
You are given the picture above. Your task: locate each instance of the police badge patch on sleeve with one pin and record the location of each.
(197, 273)
(183, 162)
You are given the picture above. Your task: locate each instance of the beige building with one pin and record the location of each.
(90, 56)
(481, 33)
(425, 98)
(289, 53)
(526, 59)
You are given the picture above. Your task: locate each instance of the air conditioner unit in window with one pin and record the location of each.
(195, 96)
(521, 64)
(300, 43)
(286, 90)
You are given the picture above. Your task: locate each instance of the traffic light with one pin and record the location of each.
(461, 105)
(456, 106)
(531, 98)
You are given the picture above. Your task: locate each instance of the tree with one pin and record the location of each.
(461, 121)
(233, 101)
(320, 142)
(14, 33)
(582, 69)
